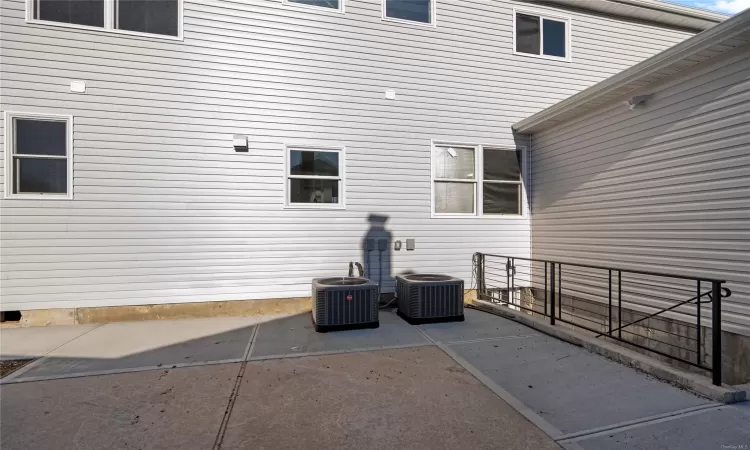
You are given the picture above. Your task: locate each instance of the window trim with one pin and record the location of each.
(341, 150)
(433, 16)
(109, 26)
(558, 18)
(340, 10)
(479, 181)
(8, 119)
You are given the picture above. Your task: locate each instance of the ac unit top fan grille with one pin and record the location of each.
(428, 277)
(343, 281)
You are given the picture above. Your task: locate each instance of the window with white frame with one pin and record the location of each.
(476, 180)
(315, 177)
(38, 155)
(151, 17)
(419, 11)
(542, 35)
(335, 5)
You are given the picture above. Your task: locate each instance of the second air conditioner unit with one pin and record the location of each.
(425, 298)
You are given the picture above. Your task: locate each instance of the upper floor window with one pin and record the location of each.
(150, 17)
(38, 160)
(335, 5)
(544, 36)
(418, 11)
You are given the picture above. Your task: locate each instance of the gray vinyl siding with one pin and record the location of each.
(660, 188)
(165, 211)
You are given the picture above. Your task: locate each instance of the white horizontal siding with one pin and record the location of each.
(664, 187)
(165, 211)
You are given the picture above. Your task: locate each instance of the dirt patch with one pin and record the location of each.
(10, 366)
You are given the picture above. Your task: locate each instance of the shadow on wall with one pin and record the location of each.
(376, 252)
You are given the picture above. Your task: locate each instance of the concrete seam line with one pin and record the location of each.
(233, 396)
(42, 358)
(629, 423)
(643, 424)
(251, 343)
(337, 352)
(506, 396)
(501, 338)
(120, 371)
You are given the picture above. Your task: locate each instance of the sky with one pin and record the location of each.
(724, 6)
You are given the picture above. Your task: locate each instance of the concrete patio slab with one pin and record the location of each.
(478, 325)
(29, 343)
(571, 388)
(295, 335)
(725, 427)
(415, 398)
(131, 345)
(160, 409)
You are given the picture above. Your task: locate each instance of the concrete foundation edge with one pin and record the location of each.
(690, 381)
(107, 314)
(129, 313)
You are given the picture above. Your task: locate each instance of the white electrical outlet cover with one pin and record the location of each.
(78, 86)
(390, 94)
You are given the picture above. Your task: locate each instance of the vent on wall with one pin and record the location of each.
(10, 316)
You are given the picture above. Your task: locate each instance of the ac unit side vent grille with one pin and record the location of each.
(438, 298)
(345, 305)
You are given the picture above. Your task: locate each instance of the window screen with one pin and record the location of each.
(502, 182)
(79, 12)
(413, 10)
(148, 16)
(527, 34)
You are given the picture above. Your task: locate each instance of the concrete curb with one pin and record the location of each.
(690, 381)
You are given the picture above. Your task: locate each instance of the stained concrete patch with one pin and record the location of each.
(295, 334)
(721, 428)
(571, 388)
(148, 410)
(478, 325)
(30, 343)
(415, 398)
(121, 346)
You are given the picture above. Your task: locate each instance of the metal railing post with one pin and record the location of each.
(545, 288)
(716, 332)
(610, 302)
(698, 321)
(552, 295)
(619, 304)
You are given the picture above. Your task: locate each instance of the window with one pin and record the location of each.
(418, 11)
(476, 180)
(502, 182)
(315, 177)
(80, 12)
(38, 161)
(335, 5)
(149, 17)
(542, 36)
(454, 172)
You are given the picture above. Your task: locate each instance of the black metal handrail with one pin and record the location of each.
(489, 268)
